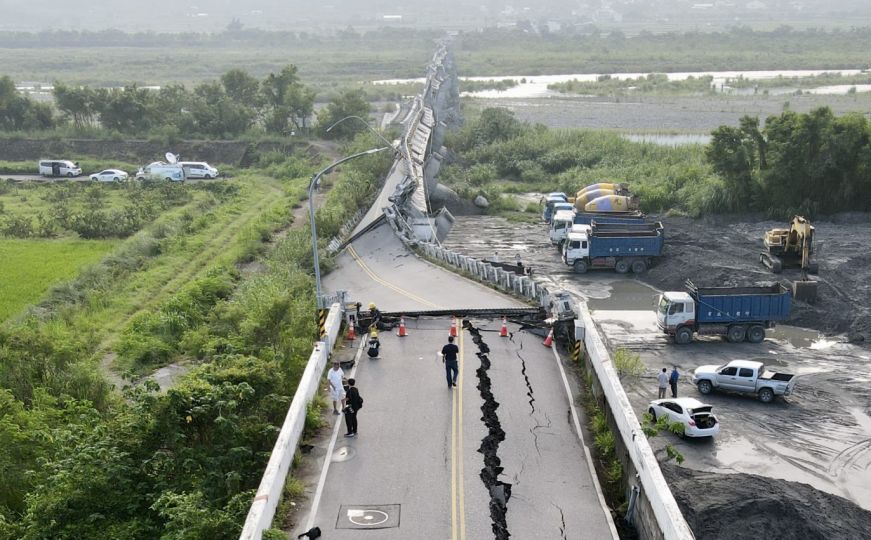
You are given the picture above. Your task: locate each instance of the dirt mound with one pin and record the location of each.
(724, 251)
(738, 506)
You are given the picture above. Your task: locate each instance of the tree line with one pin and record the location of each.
(234, 104)
(813, 163)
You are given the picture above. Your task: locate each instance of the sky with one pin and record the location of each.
(326, 15)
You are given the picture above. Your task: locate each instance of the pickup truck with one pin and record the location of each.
(746, 377)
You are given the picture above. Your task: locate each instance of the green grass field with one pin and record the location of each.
(29, 267)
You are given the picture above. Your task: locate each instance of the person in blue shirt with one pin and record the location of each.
(672, 380)
(449, 357)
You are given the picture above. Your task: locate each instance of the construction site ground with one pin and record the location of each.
(820, 435)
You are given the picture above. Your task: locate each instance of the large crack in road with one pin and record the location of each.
(500, 492)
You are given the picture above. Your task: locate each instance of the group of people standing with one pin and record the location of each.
(348, 395)
(665, 380)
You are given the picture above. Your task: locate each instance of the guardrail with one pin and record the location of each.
(262, 510)
(667, 514)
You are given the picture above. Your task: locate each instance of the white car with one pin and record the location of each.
(110, 175)
(198, 169)
(696, 417)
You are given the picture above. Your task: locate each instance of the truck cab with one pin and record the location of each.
(577, 244)
(549, 202)
(560, 226)
(675, 310)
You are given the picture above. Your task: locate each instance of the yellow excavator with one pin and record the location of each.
(792, 248)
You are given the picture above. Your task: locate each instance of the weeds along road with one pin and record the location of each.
(821, 435)
(149, 288)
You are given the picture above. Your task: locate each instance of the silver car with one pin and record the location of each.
(110, 175)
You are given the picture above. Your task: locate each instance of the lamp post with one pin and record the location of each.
(365, 123)
(311, 210)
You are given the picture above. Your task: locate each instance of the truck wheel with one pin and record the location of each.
(639, 267)
(580, 267)
(736, 334)
(622, 266)
(766, 395)
(756, 334)
(705, 387)
(683, 336)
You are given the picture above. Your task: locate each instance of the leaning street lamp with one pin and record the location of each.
(311, 210)
(365, 123)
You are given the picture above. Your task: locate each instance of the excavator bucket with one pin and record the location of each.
(806, 291)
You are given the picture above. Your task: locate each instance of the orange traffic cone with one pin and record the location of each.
(402, 332)
(504, 331)
(548, 341)
(454, 327)
(352, 334)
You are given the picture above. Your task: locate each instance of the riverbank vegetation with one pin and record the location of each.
(116, 59)
(659, 84)
(222, 283)
(796, 163)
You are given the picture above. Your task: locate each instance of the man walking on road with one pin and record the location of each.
(663, 382)
(449, 357)
(672, 380)
(337, 391)
(355, 403)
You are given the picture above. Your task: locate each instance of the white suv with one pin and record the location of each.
(198, 169)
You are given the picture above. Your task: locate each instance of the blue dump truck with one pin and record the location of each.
(552, 199)
(562, 221)
(737, 313)
(621, 246)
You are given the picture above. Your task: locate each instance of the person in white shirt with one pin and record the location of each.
(663, 383)
(337, 389)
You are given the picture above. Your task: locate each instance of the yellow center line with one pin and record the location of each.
(377, 279)
(462, 502)
(454, 467)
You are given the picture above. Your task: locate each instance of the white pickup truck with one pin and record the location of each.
(746, 377)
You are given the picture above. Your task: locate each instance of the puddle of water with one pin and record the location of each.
(628, 295)
(664, 139)
(804, 338)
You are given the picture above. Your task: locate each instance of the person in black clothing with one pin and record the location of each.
(449, 357)
(355, 403)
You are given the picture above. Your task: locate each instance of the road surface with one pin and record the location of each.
(415, 470)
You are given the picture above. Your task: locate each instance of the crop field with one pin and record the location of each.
(29, 267)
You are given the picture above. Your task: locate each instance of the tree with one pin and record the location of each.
(241, 87)
(287, 101)
(214, 113)
(733, 156)
(78, 104)
(348, 103)
(128, 110)
(18, 112)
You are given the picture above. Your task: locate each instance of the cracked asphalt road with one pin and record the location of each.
(419, 443)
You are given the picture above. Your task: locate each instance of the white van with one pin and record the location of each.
(172, 172)
(58, 167)
(198, 169)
